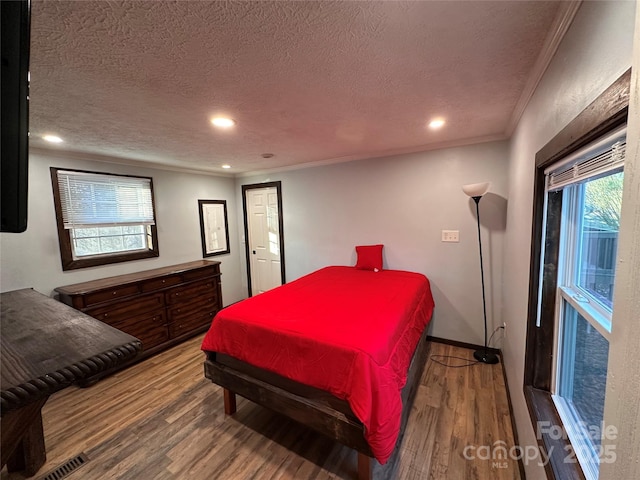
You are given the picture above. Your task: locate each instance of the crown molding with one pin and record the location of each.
(561, 24)
(386, 153)
(92, 157)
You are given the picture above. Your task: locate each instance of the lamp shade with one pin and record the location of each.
(476, 189)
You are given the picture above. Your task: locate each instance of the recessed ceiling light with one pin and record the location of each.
(223, 122)
(226, 166)
(52, 139)
(436, 123)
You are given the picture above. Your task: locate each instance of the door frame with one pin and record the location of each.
(253, 186)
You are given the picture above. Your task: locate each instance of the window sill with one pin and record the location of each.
(107, 259)
(552, 437)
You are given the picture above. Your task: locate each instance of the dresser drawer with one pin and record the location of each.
(200, 273)
(198, 320)
(109, 294)
(127, 308)
(158, 283)
(200, 288)
(185, 310)
(151, 329)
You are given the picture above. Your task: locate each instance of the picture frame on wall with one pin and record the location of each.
(214, 227)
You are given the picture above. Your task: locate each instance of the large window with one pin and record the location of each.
(577, 201)
(590, 183)
(103, 218)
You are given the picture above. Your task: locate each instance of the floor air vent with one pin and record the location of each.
(67, 468)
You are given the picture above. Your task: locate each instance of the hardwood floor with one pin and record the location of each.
(161, 419)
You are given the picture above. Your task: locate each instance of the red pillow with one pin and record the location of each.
(369, 257)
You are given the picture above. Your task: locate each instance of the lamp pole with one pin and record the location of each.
(483, 356)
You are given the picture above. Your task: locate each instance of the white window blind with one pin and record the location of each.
(597, 159)
(102, 200)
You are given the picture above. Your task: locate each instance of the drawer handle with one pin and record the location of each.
(115, 293)
(164, 281)
(106, 315)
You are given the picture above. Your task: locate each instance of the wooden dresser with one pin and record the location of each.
(161, 307)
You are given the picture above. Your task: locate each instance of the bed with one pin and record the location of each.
(340, 350)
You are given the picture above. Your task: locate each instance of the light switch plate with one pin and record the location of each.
(451, 236)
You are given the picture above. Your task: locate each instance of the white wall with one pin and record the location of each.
(594, 53)
(622, 406)
(404, 202)
(32, 259)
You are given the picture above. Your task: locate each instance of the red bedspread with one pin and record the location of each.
(350, 332)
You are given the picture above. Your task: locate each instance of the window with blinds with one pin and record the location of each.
(597, 159)
(99, 200)
(103, 218)
(584, 190)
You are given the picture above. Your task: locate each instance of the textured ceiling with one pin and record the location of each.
(309, 81)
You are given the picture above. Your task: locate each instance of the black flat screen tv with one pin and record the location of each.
(16, 25)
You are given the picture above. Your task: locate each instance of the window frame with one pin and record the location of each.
(569, 271)
(604, 114)
(584, 449)
(572, 296)
(64, 235)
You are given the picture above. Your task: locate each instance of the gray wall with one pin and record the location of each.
(622, 407)
(32, 259)
(404, 202)
(594, 53)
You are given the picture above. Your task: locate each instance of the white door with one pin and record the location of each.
(263, 230)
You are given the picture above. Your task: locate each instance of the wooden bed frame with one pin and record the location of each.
(310, 406)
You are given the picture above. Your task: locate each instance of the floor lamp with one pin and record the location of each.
(476, 191)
